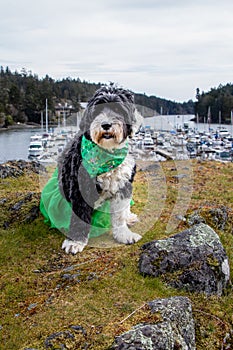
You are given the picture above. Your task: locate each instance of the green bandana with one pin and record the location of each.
(97, 160)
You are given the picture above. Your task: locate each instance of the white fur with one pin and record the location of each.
(73, 247)
(96, 131)
(114, 180)
(121, 216)
(120, 210)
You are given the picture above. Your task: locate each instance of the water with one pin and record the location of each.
(14, 144)
(169, 122)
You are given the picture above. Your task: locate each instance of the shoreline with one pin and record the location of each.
(20, 127)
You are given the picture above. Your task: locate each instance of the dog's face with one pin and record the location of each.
(109, 130)
(110, 118)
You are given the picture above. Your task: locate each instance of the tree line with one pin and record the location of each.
(216, 105)
(23, 96)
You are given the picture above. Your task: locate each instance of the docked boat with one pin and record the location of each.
(224, 156)
(148, 142)
(223, 133)
(47, 158)
(35, 149)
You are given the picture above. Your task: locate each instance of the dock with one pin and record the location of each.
(164, 154)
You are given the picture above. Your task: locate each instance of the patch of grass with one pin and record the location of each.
(46, 292)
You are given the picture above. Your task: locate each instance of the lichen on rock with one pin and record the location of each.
(193, 259)
(175, 331)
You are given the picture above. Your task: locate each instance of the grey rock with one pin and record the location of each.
(216, 217)
(56, 338)
(219, 217)
(33, 214)
(79, 329)
(25, 210)
(17, 168)
(195, 218)
(175, 331)
(17, 206)
(71, 277)
(32, 306)
(193, 259)
(179, 176)
(3, 201)
(150, 168)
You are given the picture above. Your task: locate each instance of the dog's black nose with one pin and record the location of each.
(106, 125)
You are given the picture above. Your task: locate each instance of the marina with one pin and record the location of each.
(180, 143)
(52, 144)
(159, 138)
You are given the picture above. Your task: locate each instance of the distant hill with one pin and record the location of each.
(23, 95)
(163, 106)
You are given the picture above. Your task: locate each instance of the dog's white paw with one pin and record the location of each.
(73, 247)
(126, 236)
(132, 219)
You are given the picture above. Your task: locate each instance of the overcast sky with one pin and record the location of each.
(165, 48)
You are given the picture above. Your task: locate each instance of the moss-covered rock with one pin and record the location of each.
(175, 331)
(193, 259)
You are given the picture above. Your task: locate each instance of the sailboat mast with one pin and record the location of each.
(46, 115)
(220, 118)
(231, 123)
(209, 117)
(42, 122)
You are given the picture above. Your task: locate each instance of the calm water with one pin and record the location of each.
(14, 143)
(168, 122)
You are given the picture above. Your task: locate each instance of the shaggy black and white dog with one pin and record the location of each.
(109, 120)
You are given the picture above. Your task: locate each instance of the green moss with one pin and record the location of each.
(212, 261)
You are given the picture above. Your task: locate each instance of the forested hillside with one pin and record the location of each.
(23, 95)
(215, 105)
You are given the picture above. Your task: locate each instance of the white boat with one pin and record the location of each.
(35, 149)
(148, 142)
(223, 156)
(35, 138)
(223, 133)
(47, 158)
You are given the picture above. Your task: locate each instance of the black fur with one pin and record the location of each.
(76, 185)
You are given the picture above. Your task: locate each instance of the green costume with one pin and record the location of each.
(57, 210)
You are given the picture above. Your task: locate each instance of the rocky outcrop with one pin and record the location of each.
(174, 331)
(193, 259)
(19, 206)
(24, 210)
(18, 168)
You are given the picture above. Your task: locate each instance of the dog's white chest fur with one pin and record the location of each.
(114, 180)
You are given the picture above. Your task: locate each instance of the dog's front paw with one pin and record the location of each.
(73, 247)
(131, 219)
(126, 236)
